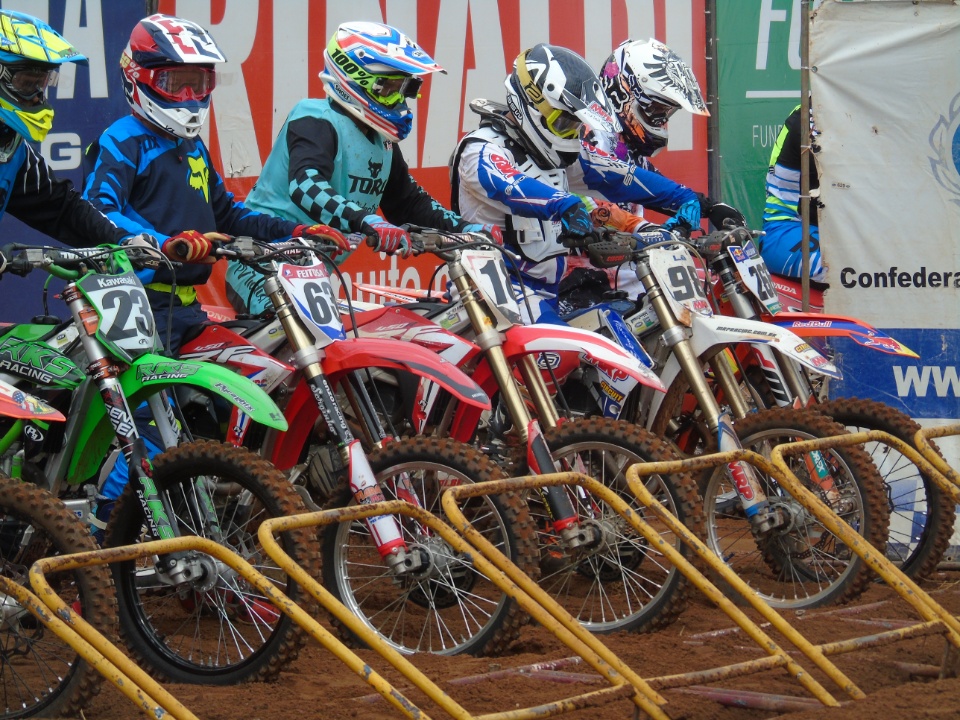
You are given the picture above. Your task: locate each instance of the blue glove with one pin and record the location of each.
(492, 231)
(389, 238)
(688, 215)
(576, 220)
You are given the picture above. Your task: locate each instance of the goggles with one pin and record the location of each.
(392, 90)
(563, 124)
(29, 83)
(654, 112)
(182, 82)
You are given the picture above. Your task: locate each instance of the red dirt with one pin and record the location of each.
(319, 686)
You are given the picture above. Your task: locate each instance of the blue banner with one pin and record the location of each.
(928, 387)
(87, 99)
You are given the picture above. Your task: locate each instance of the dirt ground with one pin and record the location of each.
(899, 679)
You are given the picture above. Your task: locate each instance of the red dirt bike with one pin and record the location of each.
(403, 581)
(591, 561)
(922, 520)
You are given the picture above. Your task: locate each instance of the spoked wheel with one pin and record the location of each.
(39, 673)
(921, 518)
(446, 606)
(800, 564)
(619, 581)
(213, 628)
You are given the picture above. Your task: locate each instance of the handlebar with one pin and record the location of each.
(440, 242)
(69, 263)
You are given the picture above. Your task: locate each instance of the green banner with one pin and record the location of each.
(758, 54)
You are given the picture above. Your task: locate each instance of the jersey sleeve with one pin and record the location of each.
(404, 201)
(487, 169)
(312, 145)
(624, 182)
(55, 208)
(107, 187)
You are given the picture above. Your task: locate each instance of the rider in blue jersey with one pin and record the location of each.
(30, 54)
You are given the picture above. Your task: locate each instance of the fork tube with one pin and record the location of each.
(539, 458)
(752, 497)
(546, 409)
(384, 529)
(729, 385)
(106, 376)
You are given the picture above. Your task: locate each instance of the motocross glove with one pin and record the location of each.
(324, 233)
(192, 246)
(614, 217)
(576, 220)
(389, 238)
(720, 214)
(492, 231)
(3, 263)
(688, 215)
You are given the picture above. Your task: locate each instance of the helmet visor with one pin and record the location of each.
(391, 90)
(184, 82)
(29, 83)
(654, 112)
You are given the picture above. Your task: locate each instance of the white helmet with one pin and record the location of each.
(552, 93)
(647, 82)
(168, 73)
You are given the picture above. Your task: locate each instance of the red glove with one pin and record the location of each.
(387, 238)
(325, 233)
(192, 246)
(493, 231)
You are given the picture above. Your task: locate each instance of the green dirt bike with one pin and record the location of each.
(39, 673)
(184, 615)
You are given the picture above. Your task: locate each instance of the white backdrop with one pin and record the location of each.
(886, 95)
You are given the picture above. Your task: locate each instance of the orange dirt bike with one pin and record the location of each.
(591, 561)
(921, 518)
(39, 673)
(395, 574)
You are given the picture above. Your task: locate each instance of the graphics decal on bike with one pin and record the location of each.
(313, 297)
(486, 269)
(149, 372)
(125, 319)
(675, 272)
(755, 275)
(36, 362)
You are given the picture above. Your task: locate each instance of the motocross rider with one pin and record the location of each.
(516, 169)
(337, 160)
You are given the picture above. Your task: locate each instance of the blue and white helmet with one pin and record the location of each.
(371, 70)
(30, 55)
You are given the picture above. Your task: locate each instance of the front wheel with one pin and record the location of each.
(446, 606)
(620, 581)
(800, 564)
(921, 518)
(39, 673)
(215, 628)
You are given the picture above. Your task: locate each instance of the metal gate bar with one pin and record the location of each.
(238, 564)
(780, 657)
(64, 624)
(922, 441)
(624, 682)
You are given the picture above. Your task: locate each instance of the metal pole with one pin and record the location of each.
(805, 153)
(714, 184)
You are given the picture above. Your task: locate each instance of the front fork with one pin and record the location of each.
(384, 529)
(566, 522)
(754, 501)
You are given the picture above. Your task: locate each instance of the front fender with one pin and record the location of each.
(710, 332)
(821, 325)
(352, 354)
(148, 375)
(606, 355)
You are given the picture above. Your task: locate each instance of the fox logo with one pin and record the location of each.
(374, 167)
(199, 177)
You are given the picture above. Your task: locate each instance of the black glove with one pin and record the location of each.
(720, 214)
(576, 220)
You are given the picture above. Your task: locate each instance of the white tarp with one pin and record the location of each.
(886, 95)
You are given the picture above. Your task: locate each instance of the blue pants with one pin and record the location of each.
(782, 251)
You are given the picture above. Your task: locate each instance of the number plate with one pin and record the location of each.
(486, 269)
(677, 275)
(125, 319)
(755, 275)
(312, 294)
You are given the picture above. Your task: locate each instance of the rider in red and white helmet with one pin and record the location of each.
(169, 72)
